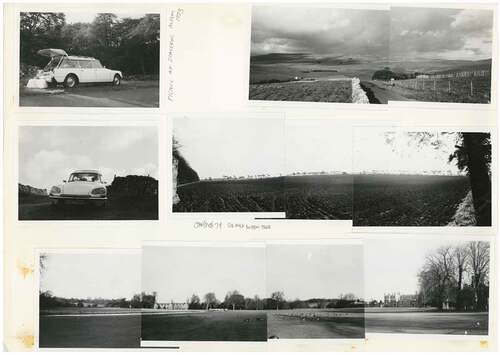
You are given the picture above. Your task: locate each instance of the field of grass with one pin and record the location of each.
(305, 91)
(412, 322)
(205, 326)
(316, 323)
(90, 328)
(445, 90)
(407, 200)
(319, 197)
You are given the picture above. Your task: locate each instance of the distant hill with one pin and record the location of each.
(439, 66)
(303, 58)
(30, 190)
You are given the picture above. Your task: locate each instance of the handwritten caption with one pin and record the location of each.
(174, 18)
(217, 225)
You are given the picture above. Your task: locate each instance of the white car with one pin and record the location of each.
(82, 186)
(71, 70)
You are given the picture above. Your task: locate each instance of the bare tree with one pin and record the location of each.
(210, 299)
(278, 297)
(479, 261)
(460, 257)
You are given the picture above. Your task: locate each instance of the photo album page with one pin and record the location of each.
(257, 177)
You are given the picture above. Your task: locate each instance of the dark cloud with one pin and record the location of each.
(320, 31)
(440, 33)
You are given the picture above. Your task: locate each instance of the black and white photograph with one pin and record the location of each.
(421, 178)
(88, 173)
(315, 291)
(228, 164)
(90, 299)
(318, 184)
(439, 55)
(427, 286)
(318, 54)
(204, 292)
(89, 59)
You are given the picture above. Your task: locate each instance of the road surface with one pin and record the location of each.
(43, 210)
(128, 94)
(381, 93)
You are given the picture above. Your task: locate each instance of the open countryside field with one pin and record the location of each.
(441, 90)
(306, 91)
(384, 320)
(407, 200)
(319, 197)
(316, 323)
(205, 326)
(301, 197)
(90, 328)
(245, 195)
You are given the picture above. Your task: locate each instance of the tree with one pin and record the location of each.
(194, 302)
(479, 261)
(210, 300)
(278, 297)
(235, 300)
(460, 260)
(473, 154)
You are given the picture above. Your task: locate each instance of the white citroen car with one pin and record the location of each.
(82, 186)
(72, 70)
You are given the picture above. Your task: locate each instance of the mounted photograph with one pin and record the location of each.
(318, 184)
(315, 291)
(86, 59)
(228, 164)
(439, 55)
(204, 292)
(318, 54)
(88, 173)
(90, 299)
(427, 286)
(422, 178)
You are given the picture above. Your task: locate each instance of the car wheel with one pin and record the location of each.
(71, 81)
(117, 80)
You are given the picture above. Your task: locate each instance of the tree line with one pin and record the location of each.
(234, 300)
(139, 300)
(456, 277)
(126, 44)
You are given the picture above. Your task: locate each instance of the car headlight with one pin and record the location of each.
(55, 190)
(98, 191)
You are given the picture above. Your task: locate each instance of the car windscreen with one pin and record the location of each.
(52, 64)
(86, 177)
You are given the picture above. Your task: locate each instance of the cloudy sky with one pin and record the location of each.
(317, 144)
(320, 31)
(232, 146)
(392, 265)
(433, 33)
(315, 271)
(83, 16)
(377, 149)
(48, 154)
(177, 272)
(105, 275)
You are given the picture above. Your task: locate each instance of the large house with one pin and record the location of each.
(171, 306)
(399, 300)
